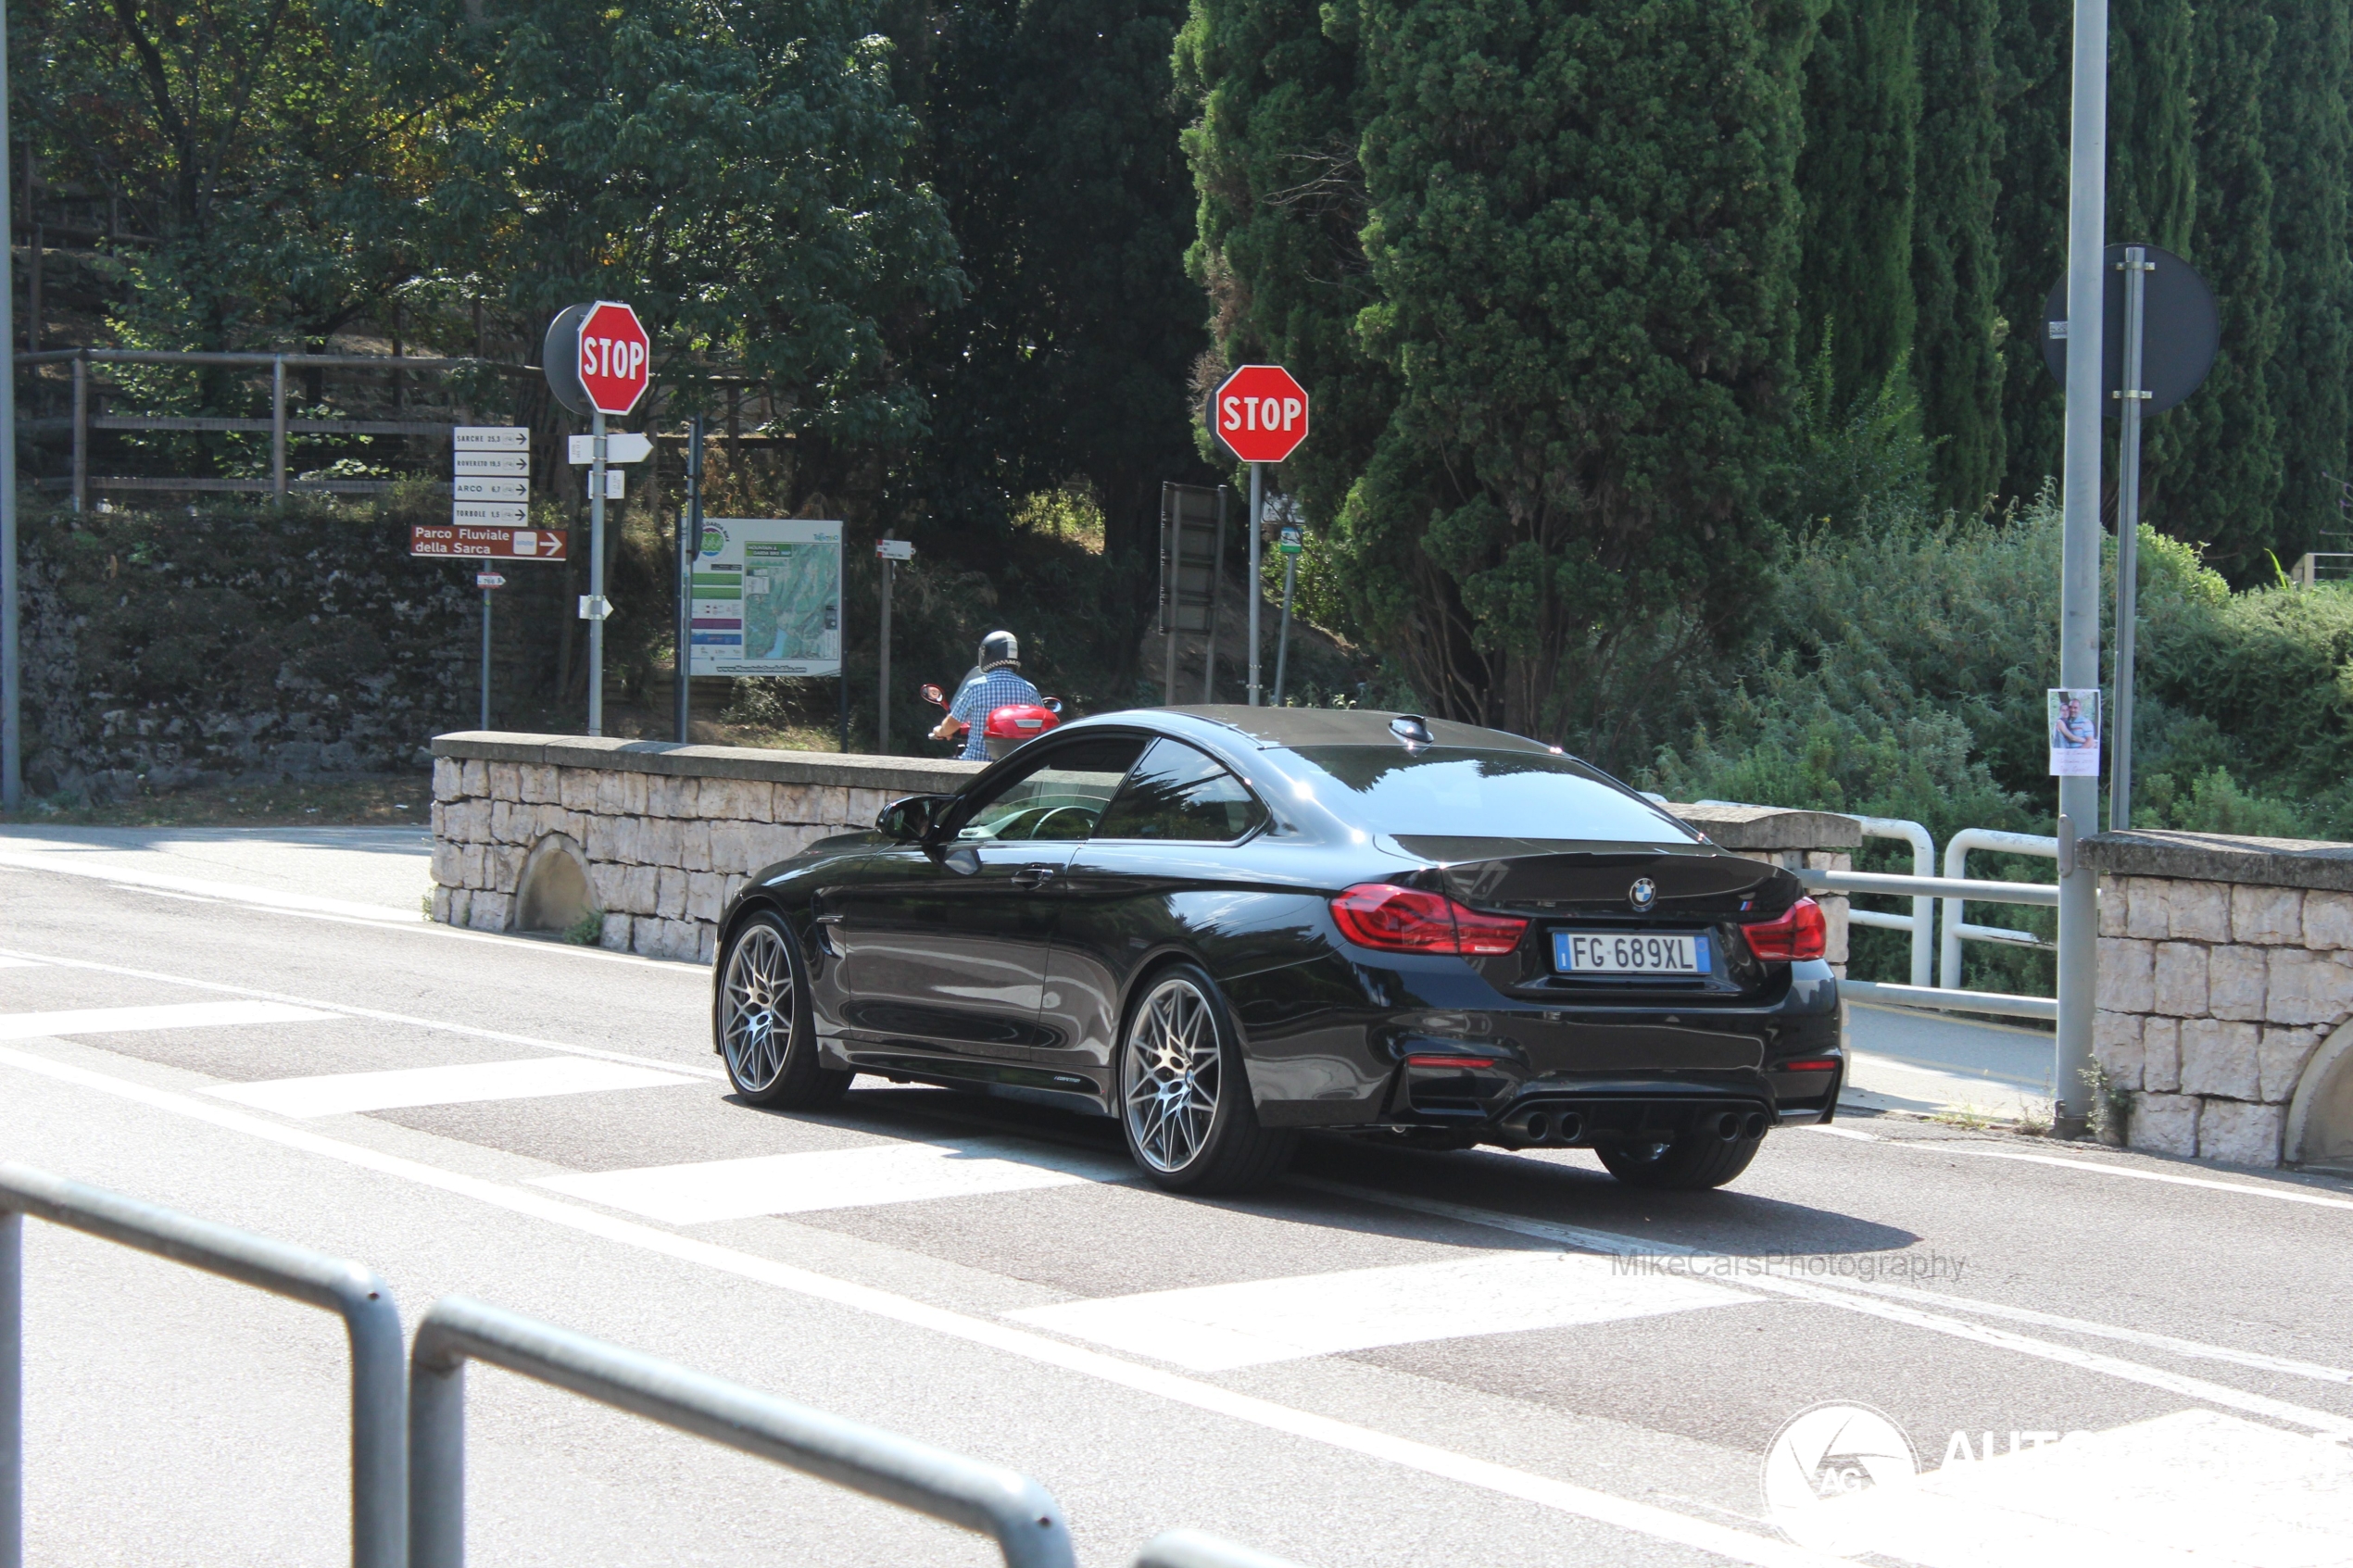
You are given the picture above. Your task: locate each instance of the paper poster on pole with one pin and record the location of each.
(2073, 717)
(767, 598)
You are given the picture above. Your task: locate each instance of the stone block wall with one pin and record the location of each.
(663, 835)
(2224, 965)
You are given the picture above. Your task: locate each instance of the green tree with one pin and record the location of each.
(739, 171)
(1052, 139)
(2223, 456)
(1855, 177)
(1956, 270)
(2031, 58)
(2307, 143)
(1582, 229)
(1278, 89)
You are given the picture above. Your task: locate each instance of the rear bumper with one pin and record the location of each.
(1507, 1073)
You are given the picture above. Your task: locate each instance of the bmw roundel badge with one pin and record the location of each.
(1643, 894)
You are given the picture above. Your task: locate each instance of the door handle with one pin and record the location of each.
(1033, 876)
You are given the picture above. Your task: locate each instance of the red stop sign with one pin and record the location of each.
(614, 355)
(1260, 413)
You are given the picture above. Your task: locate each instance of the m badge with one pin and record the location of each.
(1643, 894)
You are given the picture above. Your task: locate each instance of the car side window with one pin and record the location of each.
(1060, 796)
(1176, 793)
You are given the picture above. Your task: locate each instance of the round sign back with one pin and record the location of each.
(599, 358)
(2180, 330)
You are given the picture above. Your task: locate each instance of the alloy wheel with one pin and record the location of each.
(756, 1025)
(1172, 1076)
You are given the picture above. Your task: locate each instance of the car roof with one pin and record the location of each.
(1286, 728)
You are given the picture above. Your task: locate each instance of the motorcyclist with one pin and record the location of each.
(998, 683)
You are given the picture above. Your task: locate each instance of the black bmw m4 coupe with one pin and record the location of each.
(1224, 926)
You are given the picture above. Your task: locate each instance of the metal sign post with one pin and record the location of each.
(1290, 545)
(599, 362)
(597, 607)
(2080, 559)
(890, 552)
(486, 582)
(689, 542)
(2136, 268)
(1257, 579)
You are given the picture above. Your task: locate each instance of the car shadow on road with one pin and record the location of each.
(1374, 1187)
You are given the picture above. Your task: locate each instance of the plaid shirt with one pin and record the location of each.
(976, 699)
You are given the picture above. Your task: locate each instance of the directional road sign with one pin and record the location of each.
(894, 549)
(490, 438)
(490, 580)
(621, 446)
(1260, 413)
(460, 540)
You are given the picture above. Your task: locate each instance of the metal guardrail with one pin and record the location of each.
(1935, 999)
(1956, 926)
(379, 1452)
(1016, 1512)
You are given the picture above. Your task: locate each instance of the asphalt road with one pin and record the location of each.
(1393, 1359)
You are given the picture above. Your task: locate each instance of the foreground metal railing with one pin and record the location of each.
(407, 1413)
(379, 1381)
(1016, 1512)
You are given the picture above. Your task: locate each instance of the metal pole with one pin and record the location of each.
(82, 430)
(1172, 546)
(437, 1462)
(597, 579)
(11, 667)
(881, 691)
(485, 658)
(689, 541)
(2078, 798)
(1216, 589)
(1258, 592)
(277, 426)
(11, 1390)
(2128, 536)
(1282, 639)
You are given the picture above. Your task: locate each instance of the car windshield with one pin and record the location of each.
(1455, 791)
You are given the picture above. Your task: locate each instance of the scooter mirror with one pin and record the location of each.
(934, 696)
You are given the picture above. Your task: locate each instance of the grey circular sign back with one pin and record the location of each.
(560, 357)
(2180, 330)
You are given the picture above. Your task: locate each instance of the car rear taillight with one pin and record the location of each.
(1798, 932)
(1817, 1064)
(1407, 920)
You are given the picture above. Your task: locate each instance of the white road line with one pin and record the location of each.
(833, 1178)
(1645, 1519)
(468, 1030)
(336, 1094)
(1217, 1327)
(1747, 1273)
(177, 1015)
(232, 891)
(2278, 1194)
(1845, 1133)
(374, 916)
(19, 963)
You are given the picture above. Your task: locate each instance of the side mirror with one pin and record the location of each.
(934, 696)
(1053, 705)
(907, 821)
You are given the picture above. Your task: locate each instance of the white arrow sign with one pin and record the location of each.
(619, 448)
(490, 438)
(515, 465)
(475, 487)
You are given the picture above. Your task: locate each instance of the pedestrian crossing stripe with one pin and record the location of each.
(868, 1176)
(342, 1093)
(178, 1015)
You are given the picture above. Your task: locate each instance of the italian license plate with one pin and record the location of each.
(1628, 952)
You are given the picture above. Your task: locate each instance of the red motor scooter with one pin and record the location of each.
(1008, 726)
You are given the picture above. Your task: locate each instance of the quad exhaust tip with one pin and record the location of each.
(1550, 1126)
(1734, 1125)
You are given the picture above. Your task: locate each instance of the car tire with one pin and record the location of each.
(1184, 1098)
(760, 1022)
(1694, 1163)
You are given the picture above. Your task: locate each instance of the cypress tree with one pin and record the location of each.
(2309, 146)
(2032, 87)
(2221, 467)
(1862, 108)
(1956, 262)
(1583, 229)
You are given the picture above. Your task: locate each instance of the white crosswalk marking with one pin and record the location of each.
(1216, 1327)
(179, 1015)
(840, 1178)
(7, 962)
(338, 1093)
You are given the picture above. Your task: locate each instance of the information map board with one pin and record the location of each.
(767, 598)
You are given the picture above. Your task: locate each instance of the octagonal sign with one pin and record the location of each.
(1260, 412)
(599, 358)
